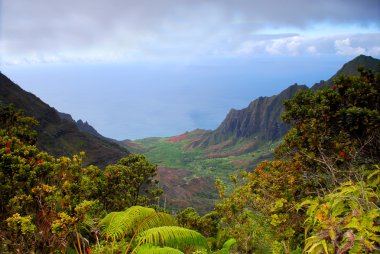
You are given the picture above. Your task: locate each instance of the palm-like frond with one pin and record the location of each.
(227, 246)
(117, 225)
(148, 249)
(172, 236)
(156, 219)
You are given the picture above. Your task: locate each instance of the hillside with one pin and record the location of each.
(244, 138)
(259, 121)
(58, 134)
(351, 68)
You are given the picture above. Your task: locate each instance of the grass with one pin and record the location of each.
(175, 155)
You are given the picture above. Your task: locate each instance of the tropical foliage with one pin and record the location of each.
(335, 130)
(346, 219)
(129, 182)
(144, 230)
(47, 203)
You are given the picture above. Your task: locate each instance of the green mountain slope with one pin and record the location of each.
(58, 134)
(259, 121)
(351, 68)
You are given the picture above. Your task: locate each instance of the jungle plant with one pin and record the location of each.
(130, 182)
(208, 225)
(334, 131)
(142, 227)
(52, 204)
(260, 211)
(346, 220)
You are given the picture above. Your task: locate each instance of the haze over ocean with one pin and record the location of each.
(133, 101)
(159, 68)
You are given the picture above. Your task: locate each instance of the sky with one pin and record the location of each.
(145, 68)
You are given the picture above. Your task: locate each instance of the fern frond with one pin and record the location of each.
(148, 249)
(173, 236)
(156, 219)
(110, 225)
(116, 225)
(227, 246)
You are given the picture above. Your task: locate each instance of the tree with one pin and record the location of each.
(335, 130)
(208, 225)
(259, 212)
(39, 206)
(14, 123)
(188, 218)
(130, 182)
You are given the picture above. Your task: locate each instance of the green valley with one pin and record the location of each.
(209, 162)
(200, 166)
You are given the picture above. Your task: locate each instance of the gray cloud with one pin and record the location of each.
(70, 30)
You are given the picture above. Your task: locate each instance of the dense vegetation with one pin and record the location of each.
(321, 194)
(44, 200)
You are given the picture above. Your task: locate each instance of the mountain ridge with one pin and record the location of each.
(351, 68)
(58, 133)
(261, 119)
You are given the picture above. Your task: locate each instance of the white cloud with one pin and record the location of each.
(249, 47)
(343, 47)
(374, 51)
(312, 50)
(293, 45)
(275, 47)
(285, 46)
(125, 30)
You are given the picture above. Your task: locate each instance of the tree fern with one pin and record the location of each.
(172, 236)
(155, 220)
(227, 246)
(149, 249)
(117, 225)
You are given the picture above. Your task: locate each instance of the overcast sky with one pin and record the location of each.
(157, 68)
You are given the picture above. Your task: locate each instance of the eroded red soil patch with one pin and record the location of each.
(178, 138)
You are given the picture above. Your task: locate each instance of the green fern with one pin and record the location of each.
(148, 249)
(118, 225)
(227, 246)
(172, 236)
